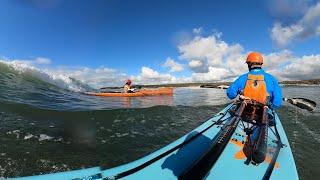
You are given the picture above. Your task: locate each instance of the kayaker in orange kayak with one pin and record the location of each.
(127, 87)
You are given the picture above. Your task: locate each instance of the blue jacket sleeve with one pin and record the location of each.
(236, 87)
(277, 94)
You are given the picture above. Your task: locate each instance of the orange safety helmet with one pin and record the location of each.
(254, 57)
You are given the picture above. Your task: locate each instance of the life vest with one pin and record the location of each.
(256, 88)
(126, 88)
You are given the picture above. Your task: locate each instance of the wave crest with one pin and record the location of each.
(25, 68)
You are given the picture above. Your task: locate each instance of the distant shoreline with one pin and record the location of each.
(308, 82)
(216, 84)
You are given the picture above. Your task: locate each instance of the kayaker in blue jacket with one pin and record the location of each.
(261, 87)
(256, 84)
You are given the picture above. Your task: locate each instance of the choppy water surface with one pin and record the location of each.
(45, 126)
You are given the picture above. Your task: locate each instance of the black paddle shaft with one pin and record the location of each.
(200, 168)
(260, 147)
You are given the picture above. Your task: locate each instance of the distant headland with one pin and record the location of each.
(221, 85)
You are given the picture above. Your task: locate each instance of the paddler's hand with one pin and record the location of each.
(242, 97)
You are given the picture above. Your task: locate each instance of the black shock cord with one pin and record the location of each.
(275, 156)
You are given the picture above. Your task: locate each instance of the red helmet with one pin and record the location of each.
(128, 81)
(254, 57)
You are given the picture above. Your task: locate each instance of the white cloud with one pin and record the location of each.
(197, 30)
(208, 49)
(278, 59)
(235, 63)
(150, 76)
(174, 66)
(209, 54)
(212, 59)
(195, 63)
(198, 66)
(36, 61)
(283, 35)
(283, 64)
(307, 26)
(42, 60)
(217, 33)
(306, 67)
(213, 74)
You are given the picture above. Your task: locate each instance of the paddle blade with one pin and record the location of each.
(302, 103)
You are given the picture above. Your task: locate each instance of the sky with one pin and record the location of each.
(104, 42)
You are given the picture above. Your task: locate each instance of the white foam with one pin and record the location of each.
(15, 132)
(43, 137)
(28, 136)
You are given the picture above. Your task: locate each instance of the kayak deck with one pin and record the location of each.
(231, 161)
(172, 160)
(157, 91)
(116, 94)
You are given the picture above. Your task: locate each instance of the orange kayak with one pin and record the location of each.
(142, 92)
(157, 91)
